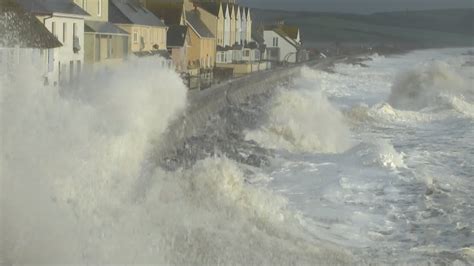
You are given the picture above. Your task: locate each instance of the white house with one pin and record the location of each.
(248, 31)
(24, 40)
(227, 25)
(283, 43)
(243, 27)
(238, 26)
(65, 20)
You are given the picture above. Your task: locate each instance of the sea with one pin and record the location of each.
(369, 161)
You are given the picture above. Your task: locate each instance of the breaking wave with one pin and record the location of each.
(429, 86)
(74, 187)
(302, 119)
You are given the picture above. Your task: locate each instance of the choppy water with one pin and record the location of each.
(366, 164)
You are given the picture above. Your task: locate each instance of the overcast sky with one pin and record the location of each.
(358, 6)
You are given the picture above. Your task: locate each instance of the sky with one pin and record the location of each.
(358, 6)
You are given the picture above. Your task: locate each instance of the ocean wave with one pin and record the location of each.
(428, 86)
(302, 119)
(77, 188)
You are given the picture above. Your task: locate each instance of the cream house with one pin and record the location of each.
(147, 33)
(105, 45)
(65, 20)
(202, 46)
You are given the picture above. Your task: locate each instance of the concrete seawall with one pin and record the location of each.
(202, 105)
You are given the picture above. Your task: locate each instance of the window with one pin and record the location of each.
(97, 48)
(64, 32)
(247, 53)
(53, 28)
(99, 8)
(74, 31)
(135, 36)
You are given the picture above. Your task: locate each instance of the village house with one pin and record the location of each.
(147, 33)
(178, 44)
(105, 45)
(202, 51)
(178, 35)
(65, 20)
(25, 40)
(283, 43)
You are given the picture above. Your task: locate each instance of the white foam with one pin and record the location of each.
(303, 119)
(75, 190)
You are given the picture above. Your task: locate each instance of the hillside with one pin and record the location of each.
(411, 29)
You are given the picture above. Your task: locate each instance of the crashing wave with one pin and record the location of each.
(75, 188)
(303, 120)
(427, 86)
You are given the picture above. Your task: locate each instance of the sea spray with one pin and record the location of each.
(72, 168)
(302, 119)
(426, 86)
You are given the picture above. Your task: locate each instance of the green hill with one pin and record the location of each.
(410, 29)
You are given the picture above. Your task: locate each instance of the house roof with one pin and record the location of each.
(176, 36)
(291, 31)
(52, 6)
(170, 12)
(278, 30)
(195, 22)
(18, 28)
(103, 28)
(162, 53)
(132, 12)
(211, 7)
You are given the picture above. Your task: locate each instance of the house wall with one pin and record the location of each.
(232, 26)
(11, 58)
(248, 32)
(194, 51)
(92, 7)
(178, 55)
(238, 27)
(150, 36)
(287, 51)
(243, 27)
(67, 63)
(105, 50)
(227, 27)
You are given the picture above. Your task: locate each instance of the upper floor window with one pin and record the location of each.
(135, 36)
(275, 41)
(99, 8)
(64, 32)
(53, 28)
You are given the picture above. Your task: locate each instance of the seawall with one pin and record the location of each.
(202, 105)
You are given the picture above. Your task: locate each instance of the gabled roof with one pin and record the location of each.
(103, 28)
(18, 28)
(169, 12)
(278, 30)
(52, 6)
(211, 7)
(291, 31)
(193, 20)
(176, 36)
(132, 12)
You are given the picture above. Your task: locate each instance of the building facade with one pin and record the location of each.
(105, 45)
(25, 41)
(146, 32)
(65, 20)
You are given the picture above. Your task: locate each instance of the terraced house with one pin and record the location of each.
(105, 45)
(65, 20)
(147, 33)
